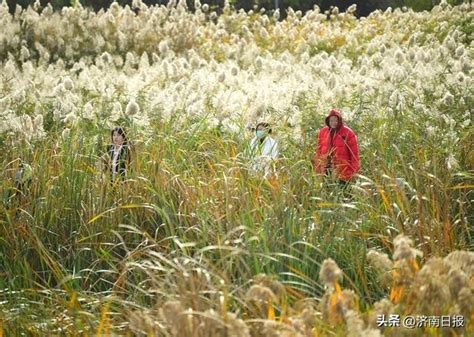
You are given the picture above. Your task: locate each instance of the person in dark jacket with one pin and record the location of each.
(337, 152)
(118, 155)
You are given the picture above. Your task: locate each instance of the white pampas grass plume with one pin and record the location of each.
(399, 56)
(117, 108)
(460, 78)
(70, 119)
(132, 108)
(260, 294)
(330, 273)
(354, 324)
(332, 82)
(276, 14)
(221, 77)
(195, 62)
(379, 260)
(451, 162)
(27, 126)
(352, 9)
(459, 51)
(403, 248)
(24, 53)
(68, 84)
(463, 260)
(38, 122)
(448, 99)
(163, 47)
(264, 34)
(88, 111)
(106, 58)
(59, 90)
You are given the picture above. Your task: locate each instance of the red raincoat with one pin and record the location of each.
(342, 154)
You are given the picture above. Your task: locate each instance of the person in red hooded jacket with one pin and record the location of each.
(337, 152)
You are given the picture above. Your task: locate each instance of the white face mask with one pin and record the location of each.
(260, 134)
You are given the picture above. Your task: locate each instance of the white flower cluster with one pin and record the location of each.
(235, 69)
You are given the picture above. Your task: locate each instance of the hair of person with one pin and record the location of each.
(121, 132)
(265, 125)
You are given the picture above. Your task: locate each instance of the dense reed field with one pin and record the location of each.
(192, 243)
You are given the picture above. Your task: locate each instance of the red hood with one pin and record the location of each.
(338, 115)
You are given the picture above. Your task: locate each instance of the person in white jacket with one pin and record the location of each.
(263, 150)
